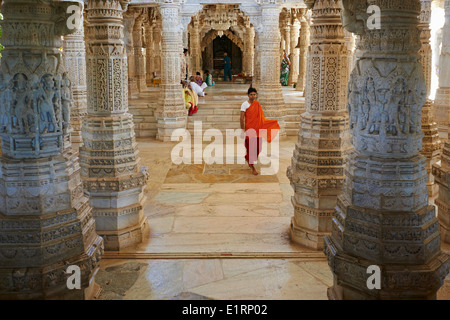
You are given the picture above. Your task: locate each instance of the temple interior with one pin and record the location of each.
(115, 185)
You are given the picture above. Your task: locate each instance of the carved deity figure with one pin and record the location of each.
(66, 99)
(46, 104)
(21, 104)
(395, 105)
(372, 107)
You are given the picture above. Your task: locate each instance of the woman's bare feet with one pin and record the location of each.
(253, 169)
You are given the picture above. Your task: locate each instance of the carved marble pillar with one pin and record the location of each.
(249, 49)
(441, 171)
(350, 43)
(195, 50)
(317, 169)
(128, 22)
(149, 54)
(431, 148)
(139, 51)
(46, 223)
(442, 99)
(171, 113)
(269, 92)
(294, 53)
(383, 217)
(257, 76)
(74, 53)
(111, 170)
(303, 55)
(156, 52)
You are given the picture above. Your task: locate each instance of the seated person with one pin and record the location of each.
(198, 78)
(209, 80)
(196, 88)
(190, 98)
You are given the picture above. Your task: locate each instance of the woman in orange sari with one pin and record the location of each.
(256, 128)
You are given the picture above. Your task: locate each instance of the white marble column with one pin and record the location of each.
(46, 223)
(441, 170)
(195, 50)
(383, 217)
(128, 22)
(111, 170)
(139, 51)
(295, 52)
(442, 99)
(303, 55)
(156, 52)
(171, 112)
(431, 147)
(249, 49)
(149, 54)
(317, 169)
(269, 91)
(74, 53)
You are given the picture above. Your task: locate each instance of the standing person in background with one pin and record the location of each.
(226, 67)
(284, 75)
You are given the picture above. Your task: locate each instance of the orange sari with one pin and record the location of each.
(254, 119)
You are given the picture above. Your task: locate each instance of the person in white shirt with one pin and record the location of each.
(198, 89)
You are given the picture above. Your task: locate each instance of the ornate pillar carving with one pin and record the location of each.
(156, 52)
(431, 147)
(195, 51)
(149, 54)
(441, 171)
(128, 23)
(139, 51)
(294, 52)
(171, 113)
(109, 159)
(303, 54)
(269, 91)
(317, 169)
(46, 222)
(249, 48)
(74, 53)
(442, 98)
(383, 217)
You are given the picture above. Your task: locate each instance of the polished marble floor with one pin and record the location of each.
(216, 232)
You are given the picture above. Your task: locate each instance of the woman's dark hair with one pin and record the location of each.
(250, 90)
(197, 73)
(206, 71)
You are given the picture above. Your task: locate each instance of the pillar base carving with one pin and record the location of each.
(166, 126)
(113, 178)
(405, 245)
(120, 239)
(46, 225)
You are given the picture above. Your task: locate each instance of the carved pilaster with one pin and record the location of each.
(171, 113)
(383, 217)
(249, 49)
(431, 147)
(317, 169)
(128, 22)
(294, 54)
(149, 54)
(195, 52)
(442, 98)
(109, 159)
(269, 91)
(303, 54)
(156, 52)
(46, 223)
(74, 53)
(139, 51)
